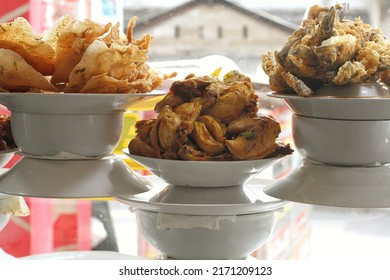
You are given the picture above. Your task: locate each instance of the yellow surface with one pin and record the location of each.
(147, 105)
(128, 133)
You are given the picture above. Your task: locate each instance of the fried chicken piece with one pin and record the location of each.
(189, 111)
(142, 148)
(170, 99)
(190, 152)
(206, 141)
(217, 129)
(255, 137)
(232, 103)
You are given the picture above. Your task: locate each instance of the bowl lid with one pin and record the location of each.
(232, 200)
(328, 185)
(95, 178)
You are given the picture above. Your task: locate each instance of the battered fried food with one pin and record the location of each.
(255, 137)
(204, 118)
(76, 57)
(20, 37)
(328, 49)
(17, 75)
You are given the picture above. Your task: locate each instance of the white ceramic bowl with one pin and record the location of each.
(368, 101)
(342, 142)
(233, 238)
(205, 223)
(204, 173)
(68, 125)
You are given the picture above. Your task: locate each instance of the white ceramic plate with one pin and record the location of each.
(72, 102)
(201, 201)
(327, 185)
(354, 102)
(106, 177)
(204, 173)
(82, 255)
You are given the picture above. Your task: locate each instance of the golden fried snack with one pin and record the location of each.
(16, 75)
(328, 49)
(217, 129)
(205, 141)
(69, 38)
(204, 118)
(20, 37)
(79, 57)
(255, 137)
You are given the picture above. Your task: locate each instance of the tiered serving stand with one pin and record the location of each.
(205, 210)
(343, 136)
(66, 141)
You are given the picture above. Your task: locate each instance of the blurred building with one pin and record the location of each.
(199, 28)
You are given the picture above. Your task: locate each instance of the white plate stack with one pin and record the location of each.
(343, 134)
(67, 142)
(205, 210)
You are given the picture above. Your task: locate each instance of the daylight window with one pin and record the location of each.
(220, 32)
(177, 31)
(201, 32)
(245, 32)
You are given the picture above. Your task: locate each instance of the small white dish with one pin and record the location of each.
(204, 173)
(342, 142)
(82, 255)
(105, 177)
(83, 125)
(318, 184)
(350, 102)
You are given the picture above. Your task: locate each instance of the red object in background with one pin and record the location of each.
(51, 226)
(12, 9)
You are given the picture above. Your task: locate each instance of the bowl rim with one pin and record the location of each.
(293, 96)
(73, 103)
(199, 162)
